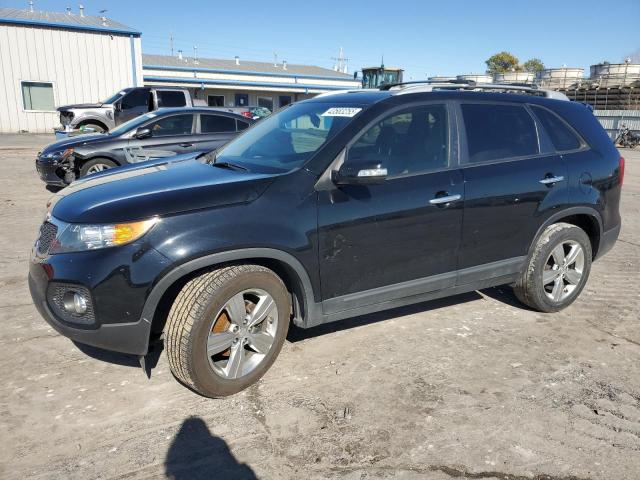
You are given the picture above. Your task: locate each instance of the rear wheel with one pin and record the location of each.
(96, 165)
(558, 269)
(226, 328)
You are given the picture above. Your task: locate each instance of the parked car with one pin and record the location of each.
(333, 207)
(121, 107)
(164, 133)
(255, 113)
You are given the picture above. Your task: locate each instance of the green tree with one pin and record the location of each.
(533, 65)
(503, 62)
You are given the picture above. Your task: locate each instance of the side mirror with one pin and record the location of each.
(142, 132)
(363, 174)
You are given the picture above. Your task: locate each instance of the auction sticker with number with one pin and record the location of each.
(341, 112)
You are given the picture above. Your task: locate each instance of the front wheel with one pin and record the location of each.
(226, 328)
(557, 270)
(96, 165)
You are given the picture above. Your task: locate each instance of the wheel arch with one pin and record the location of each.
(90, 120)
(287, 267)
(587, 218)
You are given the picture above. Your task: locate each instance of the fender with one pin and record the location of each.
(310, 307)
(567, 212)
(107, 122)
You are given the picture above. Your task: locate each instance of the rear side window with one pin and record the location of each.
(217, 124)
(171, 99)
(498, 131)
(561, 135)
(242, 125)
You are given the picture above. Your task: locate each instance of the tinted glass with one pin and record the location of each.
(413, 141)
(174, 125)
(136, 98)
(561, 135)
(242, 125)
(217, 124)
(499, 131)
(171, 99)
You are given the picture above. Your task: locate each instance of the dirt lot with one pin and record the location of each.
(472, 386)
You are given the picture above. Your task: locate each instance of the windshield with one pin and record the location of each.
(131, 124)
(115, 97)
(286, 140)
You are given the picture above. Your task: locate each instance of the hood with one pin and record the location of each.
(155, 188)
(80, 106)
(76, 141)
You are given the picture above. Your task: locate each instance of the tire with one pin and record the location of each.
(96, 127)
(202, 311)
(96, 165)
(548, 284)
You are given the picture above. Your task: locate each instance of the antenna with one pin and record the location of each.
(171, 42)
(275, 59)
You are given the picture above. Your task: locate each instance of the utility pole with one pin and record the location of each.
(341, 65)
(171, 42)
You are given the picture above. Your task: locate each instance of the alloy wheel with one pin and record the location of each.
(563, 270)
(242, 333)
(98, 167)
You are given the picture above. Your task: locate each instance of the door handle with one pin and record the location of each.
(445, 199)
(551, 180)
(186, 145)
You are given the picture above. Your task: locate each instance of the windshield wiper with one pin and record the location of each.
(230, 166)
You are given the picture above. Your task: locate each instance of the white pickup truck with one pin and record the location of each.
(120, 107)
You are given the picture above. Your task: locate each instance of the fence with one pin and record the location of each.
(612, 120)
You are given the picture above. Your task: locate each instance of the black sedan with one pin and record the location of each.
(159, 134)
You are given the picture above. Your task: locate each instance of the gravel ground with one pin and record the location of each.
(473, 386)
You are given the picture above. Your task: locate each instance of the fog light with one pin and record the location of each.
(75, 302)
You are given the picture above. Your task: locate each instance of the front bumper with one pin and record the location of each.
(118, 281)
(51, 174)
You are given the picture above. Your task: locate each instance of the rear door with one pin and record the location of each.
(394, 239)
(170, 135)
(215, 130)
(513, 181)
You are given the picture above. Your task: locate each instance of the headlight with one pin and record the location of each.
(60, 155)
(77, 237)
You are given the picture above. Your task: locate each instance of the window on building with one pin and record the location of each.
(561, 135)
(215, 100)
(168, 98)
(499, 131)
(38, 96)
(173, 125)
(413, 141)
(217, 124)
(266, 102)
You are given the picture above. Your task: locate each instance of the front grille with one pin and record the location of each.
(55, 299)
(48, 233)
(65, 118)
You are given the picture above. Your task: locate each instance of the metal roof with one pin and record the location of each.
(72, 21)
(167, 62)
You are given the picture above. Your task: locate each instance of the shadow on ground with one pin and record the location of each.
(127, 360)
(196, 454)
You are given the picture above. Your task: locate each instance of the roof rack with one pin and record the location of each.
(430, 86)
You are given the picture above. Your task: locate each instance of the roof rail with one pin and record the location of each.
(430, 86)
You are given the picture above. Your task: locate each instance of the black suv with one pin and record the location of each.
(337, 206)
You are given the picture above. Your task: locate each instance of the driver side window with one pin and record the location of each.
(411, 141)
(173, 125)
(136, 99)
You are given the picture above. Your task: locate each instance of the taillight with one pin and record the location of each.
(621, 168)
(247, 114)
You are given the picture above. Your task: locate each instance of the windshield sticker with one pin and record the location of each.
(341, 112)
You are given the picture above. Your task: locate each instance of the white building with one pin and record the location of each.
(51, 59)
(240, 83)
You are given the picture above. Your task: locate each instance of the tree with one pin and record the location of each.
(502, 62)
(533, 65)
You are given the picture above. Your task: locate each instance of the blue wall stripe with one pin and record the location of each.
(290, 86)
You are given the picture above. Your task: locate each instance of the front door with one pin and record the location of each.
(511, 186)
(171, 135)
(135, 103)
(385, 241)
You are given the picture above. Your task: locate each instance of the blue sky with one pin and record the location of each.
(423, 37)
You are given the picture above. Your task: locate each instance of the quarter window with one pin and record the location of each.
(174, 125)
(242, 125)
(561, 135)
(217, 124)
(499, 131)
(38, 96)
(412, 141)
